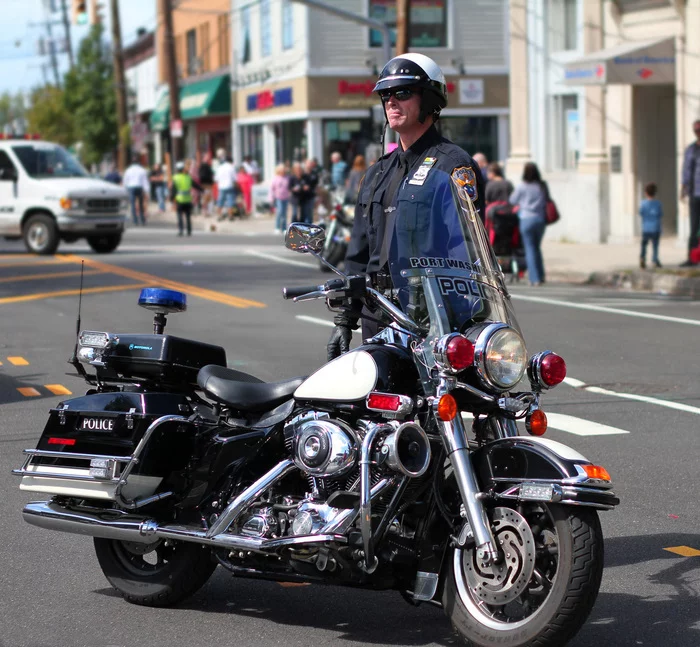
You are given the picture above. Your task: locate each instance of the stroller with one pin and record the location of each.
(503, 229)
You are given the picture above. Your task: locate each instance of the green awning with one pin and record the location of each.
(205, 98)
(160, 117)
(201, 99)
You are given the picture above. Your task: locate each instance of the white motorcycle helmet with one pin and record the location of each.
(417, 71)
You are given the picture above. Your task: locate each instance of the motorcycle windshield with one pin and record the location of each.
(437, 244)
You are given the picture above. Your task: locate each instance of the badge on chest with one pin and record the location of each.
(422, 172)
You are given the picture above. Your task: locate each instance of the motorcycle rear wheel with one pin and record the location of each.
(562, 581)
(154, 575)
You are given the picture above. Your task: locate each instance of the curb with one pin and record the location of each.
(682, 285)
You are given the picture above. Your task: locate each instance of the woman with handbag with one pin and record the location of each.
(531, 197)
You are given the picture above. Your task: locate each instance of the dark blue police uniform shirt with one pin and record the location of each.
(374, 204)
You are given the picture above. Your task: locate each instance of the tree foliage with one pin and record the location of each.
(89, 96)
(49, 116)
(12, 107)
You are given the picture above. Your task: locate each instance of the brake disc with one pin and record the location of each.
(503, 582)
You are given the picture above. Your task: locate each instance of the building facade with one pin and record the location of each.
(202, 36)
(603, 96)
(141, 75)
(302, 78)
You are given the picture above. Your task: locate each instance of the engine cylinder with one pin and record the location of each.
(323, 448)
(408, 450)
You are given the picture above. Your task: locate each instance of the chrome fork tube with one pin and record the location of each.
(454, 439)
(245, 498)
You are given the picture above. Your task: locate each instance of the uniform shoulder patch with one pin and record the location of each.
(465, 177)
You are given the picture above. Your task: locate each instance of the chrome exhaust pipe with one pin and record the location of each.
(126, 527)
(108, 524)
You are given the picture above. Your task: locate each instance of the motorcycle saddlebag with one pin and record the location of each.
(88, 442)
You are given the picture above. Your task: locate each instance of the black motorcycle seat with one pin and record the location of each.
(242, 391)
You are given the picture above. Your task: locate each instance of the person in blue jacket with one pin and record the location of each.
(651, 213)
(413, 91)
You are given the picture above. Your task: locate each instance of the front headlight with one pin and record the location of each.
(501, 356)
(123, 205)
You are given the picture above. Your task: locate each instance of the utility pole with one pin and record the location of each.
(403, 21)
(171, 74)
(52, 52)
(119, 83)
(66, 27)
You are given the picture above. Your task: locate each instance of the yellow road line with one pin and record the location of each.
(49, 275)
(18, 361)
(28, 391)
(32, 263)
(72, 293)
(683, 551)
(58, 389)
(211, 295)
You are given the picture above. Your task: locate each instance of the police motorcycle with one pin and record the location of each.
(337, 223)
(365, 474)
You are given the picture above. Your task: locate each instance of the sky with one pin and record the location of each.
(23, 24)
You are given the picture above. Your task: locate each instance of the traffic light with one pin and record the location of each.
(79, 12)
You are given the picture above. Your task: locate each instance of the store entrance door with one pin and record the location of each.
(655, 155)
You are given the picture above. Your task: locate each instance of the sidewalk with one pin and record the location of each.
(613, 265)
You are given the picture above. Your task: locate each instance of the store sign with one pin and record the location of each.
(194, 101)
(176, 128)
(586, 74)
(270, 99)
(471, 91)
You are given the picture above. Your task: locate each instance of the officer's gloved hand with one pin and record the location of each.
(342, 336)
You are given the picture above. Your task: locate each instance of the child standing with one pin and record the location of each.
(651, 212)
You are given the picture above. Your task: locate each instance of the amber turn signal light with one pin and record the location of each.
(536, 422)
(596, 472)
(447, 408)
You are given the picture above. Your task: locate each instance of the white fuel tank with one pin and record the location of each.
(352, 376)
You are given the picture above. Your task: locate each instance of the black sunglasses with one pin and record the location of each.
(401, 94)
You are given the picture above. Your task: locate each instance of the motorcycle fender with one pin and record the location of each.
(505, 466)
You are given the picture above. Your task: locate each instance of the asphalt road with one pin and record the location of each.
(633, 362)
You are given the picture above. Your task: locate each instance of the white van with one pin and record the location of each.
(46, 196)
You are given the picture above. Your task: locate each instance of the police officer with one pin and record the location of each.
(413, 92)
(181, 195)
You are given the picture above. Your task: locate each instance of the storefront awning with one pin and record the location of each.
(649, 62)
(206, 98)
(160, 117)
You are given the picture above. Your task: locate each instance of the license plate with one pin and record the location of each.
(94, 423)
(536, 492)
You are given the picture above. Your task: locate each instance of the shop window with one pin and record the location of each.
(473, 134)
(349, 137)
(191, 45)
(566, 132)
(265, 32)
(562, 25)
(287, 25)
(245, 35)
(427, 27)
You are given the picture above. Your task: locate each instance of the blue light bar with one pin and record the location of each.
(162, 300)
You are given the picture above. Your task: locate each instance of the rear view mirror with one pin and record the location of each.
(305, 238)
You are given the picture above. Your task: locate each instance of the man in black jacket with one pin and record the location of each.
(413, 92)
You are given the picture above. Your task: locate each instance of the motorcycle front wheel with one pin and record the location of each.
(542, 590)
(156, 575)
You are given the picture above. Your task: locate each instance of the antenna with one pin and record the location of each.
(74, 359)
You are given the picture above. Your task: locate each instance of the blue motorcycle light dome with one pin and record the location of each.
(163, 300)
